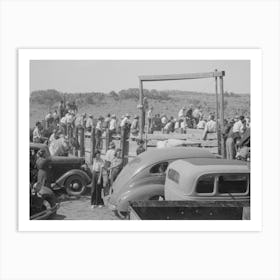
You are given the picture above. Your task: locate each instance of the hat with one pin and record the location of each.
(84, 114)
(127, 115)
(136, 117)
(113, 116)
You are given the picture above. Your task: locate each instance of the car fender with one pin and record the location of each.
(69, 173)
(45, 191)
(143, 193)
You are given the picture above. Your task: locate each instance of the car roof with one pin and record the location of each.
(200, 166)
(215, 161)
(159, 154)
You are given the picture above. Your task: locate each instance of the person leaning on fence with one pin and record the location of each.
(112, 127)
(97, 181)
(37, 136)
(98, 133)
(89, 123)
(135, 126)
(210, 127)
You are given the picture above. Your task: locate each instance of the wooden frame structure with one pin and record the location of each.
(173, 77)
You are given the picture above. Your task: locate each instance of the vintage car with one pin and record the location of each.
(44, 206)
(208, 179)
(66, 172)
(143, 178)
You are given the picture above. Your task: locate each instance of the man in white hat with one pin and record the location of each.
(112, 127)
(125, 120)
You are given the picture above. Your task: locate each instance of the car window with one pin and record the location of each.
(205, 184)
(233, 183)
(173, 175)
(159, 168)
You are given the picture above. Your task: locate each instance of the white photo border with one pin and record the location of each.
(24, 58)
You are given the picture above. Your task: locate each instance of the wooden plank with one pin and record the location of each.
(187, 76)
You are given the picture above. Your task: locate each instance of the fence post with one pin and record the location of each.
(107, 139)
(77, 139)
(93, 144)
(82, 142)
(124, 145)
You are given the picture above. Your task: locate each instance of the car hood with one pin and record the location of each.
(74, 160)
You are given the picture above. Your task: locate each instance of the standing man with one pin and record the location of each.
(150, 118)
(61, 110)
(112, 127)
(37, 133)
(98, 134)
(89, 123)
(210, 127)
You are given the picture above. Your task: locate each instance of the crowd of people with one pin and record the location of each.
(62, 122)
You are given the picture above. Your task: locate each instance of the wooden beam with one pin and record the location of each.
(188, 76)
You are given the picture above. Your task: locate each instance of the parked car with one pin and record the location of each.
(208, 180)
(44, 206)
(143, 178)
(70, 173)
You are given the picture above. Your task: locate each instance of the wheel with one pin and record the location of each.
(75, 185)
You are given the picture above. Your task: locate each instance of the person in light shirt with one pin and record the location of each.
(89, 123)
(201, 124)
(240, 125)
(125, 121)
(112, 127)
(210, 127)
(97, 181)
(182, 113)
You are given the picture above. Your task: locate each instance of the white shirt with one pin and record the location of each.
(124, 121)
(69, 118)
(201, 124)
(99, 125)
(164, 120)
(58, 147)
(177, 125)
(181, 113)
(97, 165)
(149, 114)
(238, 127)
(113, 124)
(89, 123)
(110, 154)
(211, 126)
(36, 134)
(63, 120)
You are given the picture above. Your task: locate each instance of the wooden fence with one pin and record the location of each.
(88, 142)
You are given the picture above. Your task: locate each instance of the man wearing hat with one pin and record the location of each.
(89, 123)
(135, 126)
(109, 156)
(112, 127)
(125, 121)
(98, 134)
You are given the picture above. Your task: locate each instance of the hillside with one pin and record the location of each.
(125, 101)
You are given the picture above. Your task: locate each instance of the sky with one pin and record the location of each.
(77, 76)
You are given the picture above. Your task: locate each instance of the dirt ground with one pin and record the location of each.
(79, 209)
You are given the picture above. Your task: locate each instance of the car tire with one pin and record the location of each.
(75, 185)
